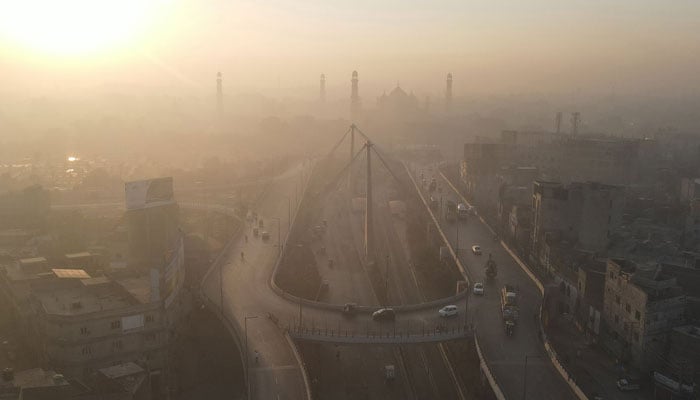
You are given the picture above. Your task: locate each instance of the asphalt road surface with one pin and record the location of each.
(505, 355)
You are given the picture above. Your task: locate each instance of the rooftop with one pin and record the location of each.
(37, 377)
(82, 254)
(70, 273)
(138, 287)
(121, 370)
(72, 302)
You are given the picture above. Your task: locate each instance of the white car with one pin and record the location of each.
(448, 311)
(479, 288)
(476, 249)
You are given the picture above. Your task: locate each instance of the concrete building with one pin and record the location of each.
(561, 158)
(119, 382)
(80, 323)
(640, 308)
(691, 226)
(479, 168)
(583, 214)
(683, 360)
(591, 289)
(152, 222)
(549, 214)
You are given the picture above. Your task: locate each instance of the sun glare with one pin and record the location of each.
(74, 26)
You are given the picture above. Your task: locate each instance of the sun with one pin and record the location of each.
(66, 27)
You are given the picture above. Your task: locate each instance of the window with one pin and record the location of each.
(637, 315)
(636, 336)
(149, 319)
(612, 275)
(628, 308)
(87, 350)
(83, 331)
(117, 345)
(617, 299)
(116, 324)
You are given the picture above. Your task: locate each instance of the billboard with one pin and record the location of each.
(149, 193)
(132, 323)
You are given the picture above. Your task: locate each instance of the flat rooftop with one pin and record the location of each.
(71, 302)
(138, 287)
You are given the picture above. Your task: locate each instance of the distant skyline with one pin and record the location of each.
(272, 46)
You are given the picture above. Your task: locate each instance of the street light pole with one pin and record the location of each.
(457, 245)
(221, 289)
(386, 275)
(289, 214)
(279, 242)
(247, 358)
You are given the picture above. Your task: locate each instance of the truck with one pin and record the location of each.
(509, 304)
(450, 211)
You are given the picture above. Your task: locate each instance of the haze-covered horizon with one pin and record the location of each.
(280, 48)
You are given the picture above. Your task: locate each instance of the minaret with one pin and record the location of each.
(322, 94)
(219, 95)
(354, 98)
(448, 92)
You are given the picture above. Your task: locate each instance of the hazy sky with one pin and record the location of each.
(490, 46)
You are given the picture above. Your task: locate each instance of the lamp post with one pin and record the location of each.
(386, 281)
(289, 214)
(457, 245)
(525, 376)
(279, 242)
(247, 359)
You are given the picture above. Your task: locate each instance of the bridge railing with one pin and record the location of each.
(389, 335)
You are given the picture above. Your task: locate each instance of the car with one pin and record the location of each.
(476, 249)
(479, 288)
(626, 385)
(448, 311)
(265, 235)
(384, 314)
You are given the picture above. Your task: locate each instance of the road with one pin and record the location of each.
(248, 299)
(505, 355)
